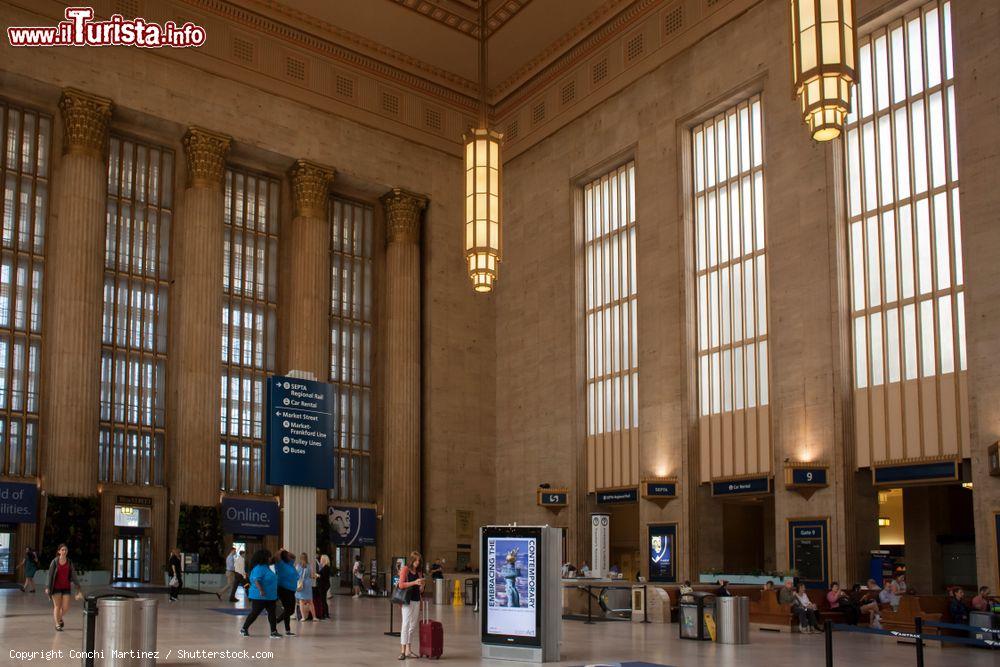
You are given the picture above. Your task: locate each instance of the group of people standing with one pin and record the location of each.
(296, 585)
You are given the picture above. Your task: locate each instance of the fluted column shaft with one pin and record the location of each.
(74, 277)
(196, 318)
(401, 455)
(305, 258)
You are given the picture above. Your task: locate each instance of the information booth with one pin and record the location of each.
(519, 592)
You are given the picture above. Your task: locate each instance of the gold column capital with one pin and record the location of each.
(310, 187)
(206, 153)
(402, 215)
(86, 120)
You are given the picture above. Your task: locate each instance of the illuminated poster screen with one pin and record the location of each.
(511, 577)
(662, 552)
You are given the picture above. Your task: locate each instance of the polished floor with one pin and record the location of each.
(355, 637)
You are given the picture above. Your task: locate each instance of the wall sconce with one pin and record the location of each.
(884, 522)
(967, 486)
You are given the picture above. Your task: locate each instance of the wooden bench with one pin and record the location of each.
(928, 607)
(768, 614)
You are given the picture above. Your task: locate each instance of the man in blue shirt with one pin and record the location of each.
(230, 584)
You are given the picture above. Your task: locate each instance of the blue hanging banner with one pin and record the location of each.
(299, 432)
(18, 502)
(352, 526)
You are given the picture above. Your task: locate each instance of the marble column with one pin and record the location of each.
(73, 299)
(196, 324)
(304, 309)
(401, 447)
(305, 260)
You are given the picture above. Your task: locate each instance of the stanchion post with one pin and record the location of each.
(89, 630)
(828, 630)
(918, 624)
(645, 605)
(590, 597)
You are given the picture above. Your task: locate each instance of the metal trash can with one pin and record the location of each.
(985, 619)
(440, 591)
(732, 616)
(126, 631)
(691, 612)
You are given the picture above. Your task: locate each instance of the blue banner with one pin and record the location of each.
(299, 432)
(352, 526)
(754, 486)
(18, 503)
(250, 517)
(619, 496)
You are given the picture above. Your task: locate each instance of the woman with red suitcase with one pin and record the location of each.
(411, 581)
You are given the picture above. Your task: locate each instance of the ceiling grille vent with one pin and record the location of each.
(568, 92)
(673, 20)
(599, 70)
(243, 50)
(511, 132)
(538, 113)
(295, 69)
(635, 47)
(432, 119)
(390, 103)
(344, 86)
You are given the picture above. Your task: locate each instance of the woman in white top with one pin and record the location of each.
(804, 607)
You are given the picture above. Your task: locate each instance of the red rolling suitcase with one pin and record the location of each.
(431, 634)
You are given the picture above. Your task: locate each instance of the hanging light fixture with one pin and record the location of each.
(482, 185)
(823, 63)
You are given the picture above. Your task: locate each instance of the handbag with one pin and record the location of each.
(174, 582)
(398, 596)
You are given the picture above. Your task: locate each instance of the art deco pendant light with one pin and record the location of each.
(482, 185)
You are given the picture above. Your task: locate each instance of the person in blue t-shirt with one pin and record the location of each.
(263, 593)
(288, 580)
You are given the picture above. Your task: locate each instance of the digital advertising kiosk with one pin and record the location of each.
(520, 592)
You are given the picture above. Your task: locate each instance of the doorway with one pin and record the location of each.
(130, 560)
(8, 564)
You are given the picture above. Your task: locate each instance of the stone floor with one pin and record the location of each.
(355, 637)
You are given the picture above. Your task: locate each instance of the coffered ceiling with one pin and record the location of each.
(438, 38)
(409, 66)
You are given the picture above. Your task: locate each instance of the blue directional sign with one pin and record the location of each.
(751, 486)
(299, 432)
(618, 496)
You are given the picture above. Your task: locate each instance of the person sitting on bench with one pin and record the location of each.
(806, 611)
(956, 606)
(786, 594)
(982, 601)
(841, 601)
